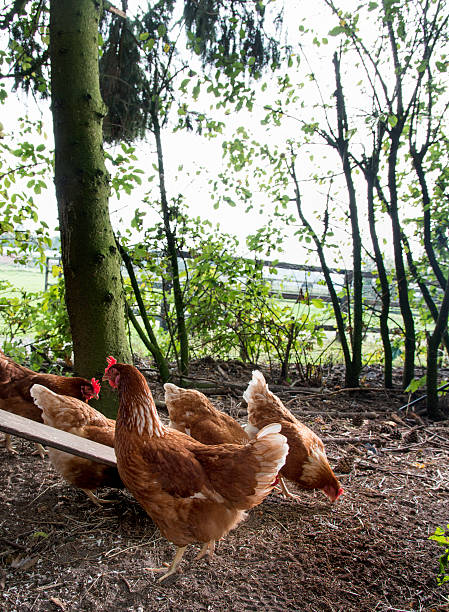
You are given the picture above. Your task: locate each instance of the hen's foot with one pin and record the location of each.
(97, 501)
(40, 450)
(285, 492)
(207, 549)
(173, 567)
(8, 445)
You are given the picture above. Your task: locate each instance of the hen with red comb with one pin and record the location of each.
(17, 381)
(111, 361)
(306, 464)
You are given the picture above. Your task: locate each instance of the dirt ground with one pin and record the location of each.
(368, 552)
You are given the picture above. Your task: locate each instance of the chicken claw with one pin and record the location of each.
(285, 492)
(173, 567)
(207, 549)
(8, 445)
(40, 450)
(97, 501)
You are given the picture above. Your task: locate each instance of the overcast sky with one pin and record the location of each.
(194, 153)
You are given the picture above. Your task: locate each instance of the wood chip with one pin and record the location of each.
(60, 604)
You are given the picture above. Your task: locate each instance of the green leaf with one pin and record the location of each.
(317, 303)
(336, 31)
(392, 120)
(422, 65)
(416, 383)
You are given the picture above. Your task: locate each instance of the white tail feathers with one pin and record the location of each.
(269, 429)
(272, 449)
(251, 430)
(257, 386)
(39, 393)
(171, 391)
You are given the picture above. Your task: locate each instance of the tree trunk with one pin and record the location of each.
(341, 143)
(424, 289)
(94, 293)
(417, 158)
(395, 134)
(433, 409)
(370, 170)
(172, 251)
(328, 278)
(149, 339)
(404, 303)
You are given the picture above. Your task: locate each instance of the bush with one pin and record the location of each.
(442, 537)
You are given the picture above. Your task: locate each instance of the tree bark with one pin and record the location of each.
(370, 170)
(94, 293)
(401, 277)
(172, 250)
(433, 409)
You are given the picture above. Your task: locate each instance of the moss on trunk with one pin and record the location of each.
(94, 293)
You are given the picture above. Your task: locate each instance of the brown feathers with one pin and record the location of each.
(192, 413)
(191, 491)
(77, 417)
(306, 463)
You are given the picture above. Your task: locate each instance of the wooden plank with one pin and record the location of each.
(62, 440)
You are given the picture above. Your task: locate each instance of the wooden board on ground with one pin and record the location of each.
(62, 440)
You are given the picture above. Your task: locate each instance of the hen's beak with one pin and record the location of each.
(111, 382)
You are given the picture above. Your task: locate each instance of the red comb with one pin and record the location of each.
(111, 361)
(95, 385)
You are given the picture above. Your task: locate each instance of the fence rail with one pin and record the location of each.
(283, 287)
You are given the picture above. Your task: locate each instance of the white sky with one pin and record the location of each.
(195, 152)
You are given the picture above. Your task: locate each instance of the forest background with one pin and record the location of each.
(332, 127)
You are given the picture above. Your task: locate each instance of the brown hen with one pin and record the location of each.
(192, 413)
(76, 417)
(306, 464)
(193, 492)
(15, 388)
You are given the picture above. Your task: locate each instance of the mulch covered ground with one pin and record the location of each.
(368, 552)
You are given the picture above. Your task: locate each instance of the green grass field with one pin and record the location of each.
(23, 278)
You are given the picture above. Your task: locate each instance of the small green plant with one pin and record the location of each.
(442, 537)
(35, 319)
(416, 383)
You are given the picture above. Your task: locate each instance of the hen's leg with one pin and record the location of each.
(97, 501)
(40, 450)
(8, 445)
(173, 567)
(285, 491)
(207, 549)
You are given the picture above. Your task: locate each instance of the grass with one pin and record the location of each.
(23, 278)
